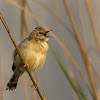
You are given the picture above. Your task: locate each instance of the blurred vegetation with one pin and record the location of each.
(69, 74)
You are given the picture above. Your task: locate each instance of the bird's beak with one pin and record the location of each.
(49, 31)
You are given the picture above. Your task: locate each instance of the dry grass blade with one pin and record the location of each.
(73, 81)
(93, 24)
(32, 90)
(72, 76)
(84, 55)
(44, 97)
(25, 26)
(36, 77)
(82, 25)
(25, 87)
(94, 70)
(62, 35)
(85, 40)
(26, 65)
(23, 2)
(75, 95)
(58, 40)
(55, 14)
(74, 62)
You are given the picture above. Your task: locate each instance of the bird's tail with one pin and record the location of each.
(12, 84)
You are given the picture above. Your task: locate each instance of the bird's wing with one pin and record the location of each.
(21, 43)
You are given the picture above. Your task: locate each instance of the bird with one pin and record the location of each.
(34, 50)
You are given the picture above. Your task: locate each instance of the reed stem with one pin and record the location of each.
(22, 58)
(84, 55)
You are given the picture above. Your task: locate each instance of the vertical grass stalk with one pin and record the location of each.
(84, 55)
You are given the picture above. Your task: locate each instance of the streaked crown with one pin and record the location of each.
(39, 34)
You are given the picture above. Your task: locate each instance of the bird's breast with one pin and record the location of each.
(35, 55)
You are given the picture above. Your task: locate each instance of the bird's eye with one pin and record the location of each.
(40, 32)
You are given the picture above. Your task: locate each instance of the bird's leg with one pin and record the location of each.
(25, 64)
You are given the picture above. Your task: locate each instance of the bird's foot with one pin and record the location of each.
(25, 64)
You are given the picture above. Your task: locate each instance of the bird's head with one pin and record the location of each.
(39, 34)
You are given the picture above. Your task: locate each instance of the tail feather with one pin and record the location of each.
(12, 84)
